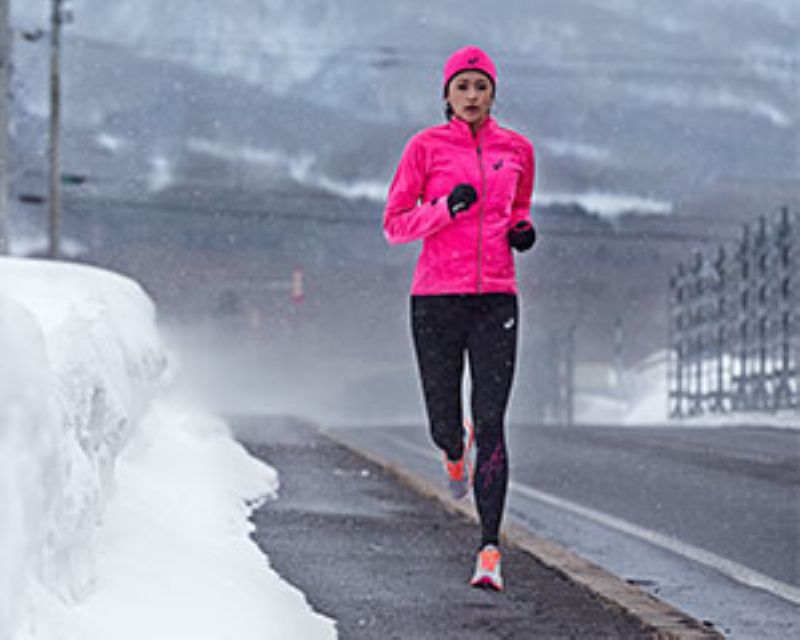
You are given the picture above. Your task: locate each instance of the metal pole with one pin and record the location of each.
(5, 72)
(570, 377)
(618, 348)
(783, 393)
(721, 329)
(54, 145)
(678, 341)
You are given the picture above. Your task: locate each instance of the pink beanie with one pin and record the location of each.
(469, 59)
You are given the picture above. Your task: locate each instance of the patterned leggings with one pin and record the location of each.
(446, 328)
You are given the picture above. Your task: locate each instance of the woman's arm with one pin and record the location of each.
(521, 207)
(406, 218)
(522, 235)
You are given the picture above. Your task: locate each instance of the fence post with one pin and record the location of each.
(696, 339)
(719, 330)
(739, 391)
(674, 355)
(785, 396)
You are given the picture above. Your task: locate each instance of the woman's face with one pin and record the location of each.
(471, 95)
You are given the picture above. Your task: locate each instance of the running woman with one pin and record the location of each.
(464, 188)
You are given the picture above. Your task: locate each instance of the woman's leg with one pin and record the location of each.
(439, 330)
(492, 347)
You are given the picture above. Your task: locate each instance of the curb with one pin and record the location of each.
(665, 621)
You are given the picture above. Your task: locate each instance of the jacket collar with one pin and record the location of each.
(461, 131)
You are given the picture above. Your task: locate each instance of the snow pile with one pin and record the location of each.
(649, 392)
(175, 558)
(643, 400)
(81, 362)
(120, 515)
(30, 433)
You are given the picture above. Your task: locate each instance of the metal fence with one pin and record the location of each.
(734, 337)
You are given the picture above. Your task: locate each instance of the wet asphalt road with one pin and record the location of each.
(387, 563)
(648, 503)
(735, 492)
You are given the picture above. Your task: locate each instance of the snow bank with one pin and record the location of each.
(643, 400)
(175, 558)
(81, 362)
(30, 434)
(120, 515)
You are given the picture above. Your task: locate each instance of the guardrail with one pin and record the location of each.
(734, 325)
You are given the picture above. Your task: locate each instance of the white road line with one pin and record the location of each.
(725, 566)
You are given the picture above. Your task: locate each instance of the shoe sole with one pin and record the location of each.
(458, 493)
(487, 584)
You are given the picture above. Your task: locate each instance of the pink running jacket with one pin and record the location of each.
(469, 254)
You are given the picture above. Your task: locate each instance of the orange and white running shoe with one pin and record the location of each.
(487, 569)
(459, 473)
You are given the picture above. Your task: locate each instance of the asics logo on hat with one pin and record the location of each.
(469, 58)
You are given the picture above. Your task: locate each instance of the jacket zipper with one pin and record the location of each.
(479, 280)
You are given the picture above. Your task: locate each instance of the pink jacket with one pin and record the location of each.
(471, 253)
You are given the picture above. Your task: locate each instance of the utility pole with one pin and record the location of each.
(618, 349)
(54, 144)
(569, 374)
(5, 73)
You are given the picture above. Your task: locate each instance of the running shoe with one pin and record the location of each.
(487, 569)
(459, 473)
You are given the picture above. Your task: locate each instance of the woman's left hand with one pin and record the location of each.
(522, 236)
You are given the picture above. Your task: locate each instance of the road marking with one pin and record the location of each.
(730, 568)
(723, 565)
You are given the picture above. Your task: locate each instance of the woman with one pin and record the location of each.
(464, 188)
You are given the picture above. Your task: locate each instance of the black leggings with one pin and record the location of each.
(484, 327)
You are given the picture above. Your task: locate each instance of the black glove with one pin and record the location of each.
(522, 236)
(461, 198)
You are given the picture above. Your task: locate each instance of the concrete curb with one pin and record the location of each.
(666, 621)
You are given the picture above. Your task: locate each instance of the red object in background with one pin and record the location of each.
(298, 293)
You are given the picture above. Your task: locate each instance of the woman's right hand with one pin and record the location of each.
(461, 198)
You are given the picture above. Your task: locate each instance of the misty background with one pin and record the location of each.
(232, 150)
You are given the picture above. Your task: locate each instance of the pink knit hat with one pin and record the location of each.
(469, 59)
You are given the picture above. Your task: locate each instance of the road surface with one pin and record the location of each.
(707, 519)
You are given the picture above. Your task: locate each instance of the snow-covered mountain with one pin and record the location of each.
(657, 100)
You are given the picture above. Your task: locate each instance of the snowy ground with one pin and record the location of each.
(641, 399)
(124, 513)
